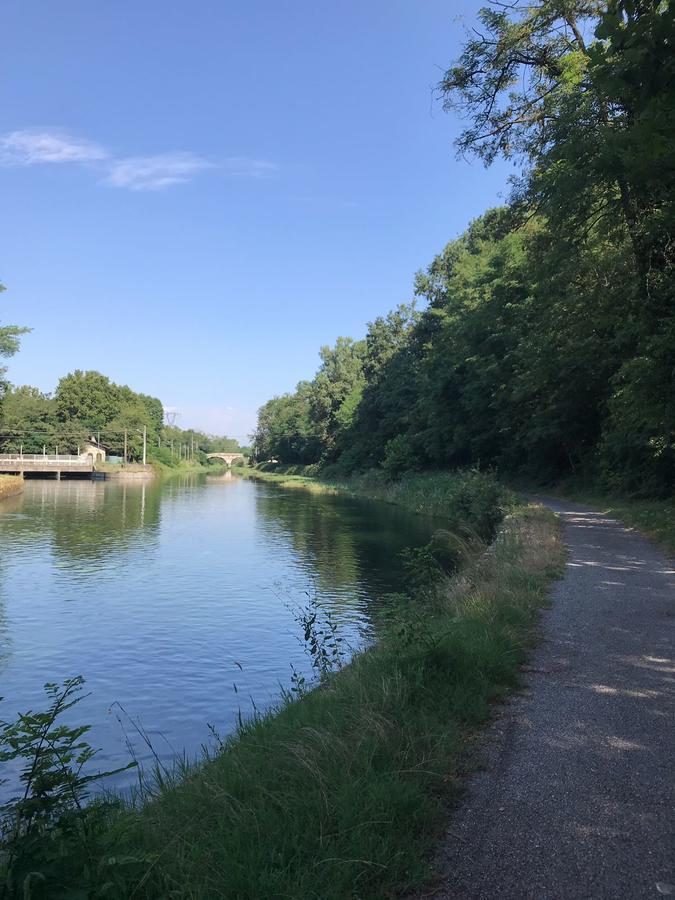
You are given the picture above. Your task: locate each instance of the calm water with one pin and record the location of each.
(176, 600)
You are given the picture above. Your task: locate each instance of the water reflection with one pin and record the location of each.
(346, 542)
(226, 478)
(80, 519)
(173, 599)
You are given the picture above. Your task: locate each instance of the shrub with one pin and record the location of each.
(399, 456)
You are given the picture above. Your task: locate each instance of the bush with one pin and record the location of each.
(399, 456)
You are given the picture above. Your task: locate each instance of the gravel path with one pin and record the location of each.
(577, 796)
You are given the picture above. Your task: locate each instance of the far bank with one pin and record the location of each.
(10, 486)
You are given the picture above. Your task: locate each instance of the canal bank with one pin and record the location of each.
(130, 471)
(10, 486)
(344, 790)
(463, 499)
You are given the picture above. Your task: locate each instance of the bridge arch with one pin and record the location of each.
(227, 458)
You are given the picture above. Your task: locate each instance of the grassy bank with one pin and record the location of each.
(465, 500)
(185, 467)
(158, 468)
(343, 792)
(10, 485)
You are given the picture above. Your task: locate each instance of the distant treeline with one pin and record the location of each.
(87, 404)
(546, 341)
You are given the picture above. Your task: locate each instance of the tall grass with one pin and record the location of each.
(10, 485)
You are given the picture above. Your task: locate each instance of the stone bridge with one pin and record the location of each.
(227, 458)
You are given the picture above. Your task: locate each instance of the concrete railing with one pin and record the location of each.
(45, 459)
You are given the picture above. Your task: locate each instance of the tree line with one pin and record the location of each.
(88, 404)
(542, 340)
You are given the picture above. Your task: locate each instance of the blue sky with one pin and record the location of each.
(196, 196)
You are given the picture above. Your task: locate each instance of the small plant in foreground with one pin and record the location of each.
(322, 642)
(49, 830)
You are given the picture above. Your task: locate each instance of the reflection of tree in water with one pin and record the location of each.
(10, 513)
(345, 541)
(5, 633)
(91, 520)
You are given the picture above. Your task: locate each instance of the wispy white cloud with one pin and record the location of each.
(135, 173)
(29, 148)
(154, 173)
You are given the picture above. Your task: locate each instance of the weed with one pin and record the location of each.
(50, 826)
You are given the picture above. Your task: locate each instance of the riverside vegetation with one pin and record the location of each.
(339, 790)
(89, 403)
(10, 485)
(545, 340)
(545, 347)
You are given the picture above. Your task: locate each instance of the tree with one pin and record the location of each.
(90, 403)
(336, 391)
(155, 411)
(9, 344)
(132, 417)
(28, 420)
(285, 429)
(514, 75)
(87, 399)
(592, 118)
(389, 396)
(547, 345)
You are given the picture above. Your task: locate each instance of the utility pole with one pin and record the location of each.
(145, 443)
(125, 446)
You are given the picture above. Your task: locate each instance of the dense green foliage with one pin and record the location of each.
(89, 404)
(9, 344)
(306, 425)
(546, 343)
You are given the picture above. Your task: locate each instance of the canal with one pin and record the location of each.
(178, 600)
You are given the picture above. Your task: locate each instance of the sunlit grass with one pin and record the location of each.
(10, 485)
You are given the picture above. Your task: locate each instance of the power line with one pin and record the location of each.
(57, 432)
